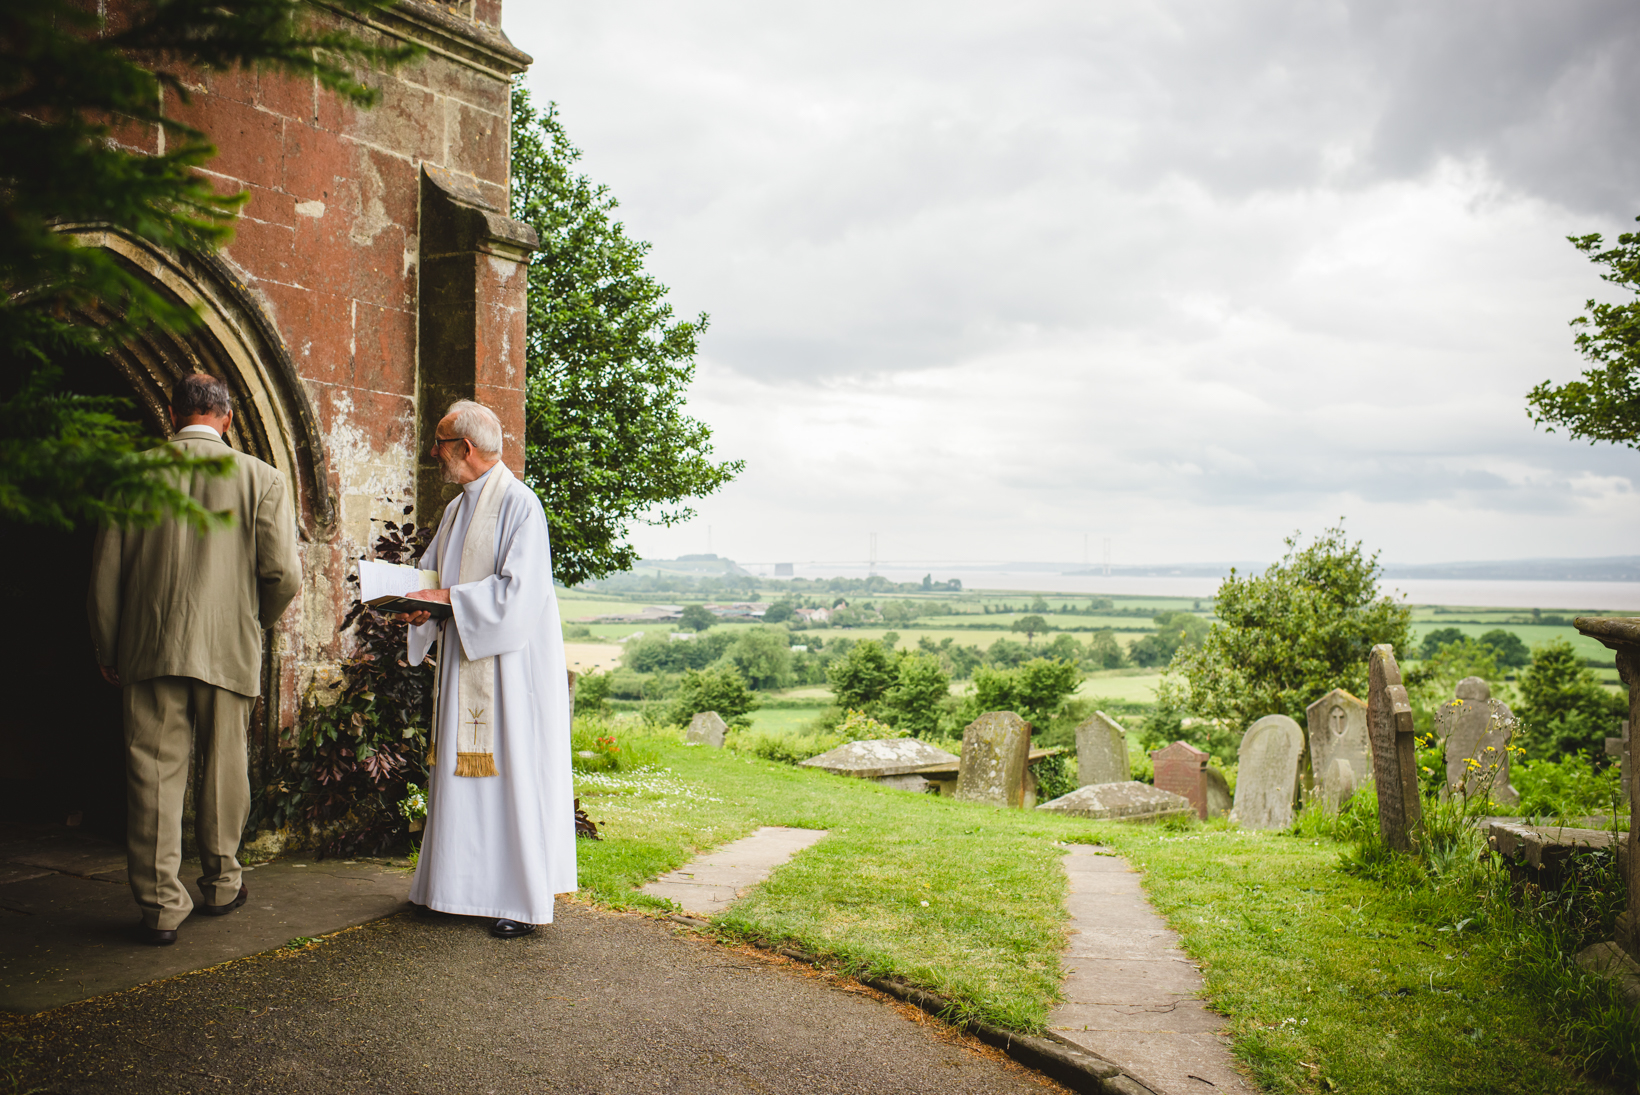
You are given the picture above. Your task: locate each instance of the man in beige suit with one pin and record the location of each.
(177, 617)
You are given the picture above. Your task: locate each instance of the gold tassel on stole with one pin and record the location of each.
(476, 764)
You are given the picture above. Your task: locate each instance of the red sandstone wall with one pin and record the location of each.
(329, 246)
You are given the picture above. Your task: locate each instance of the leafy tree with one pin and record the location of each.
(696, 617)
(68, 82)
(1435, 681)
(1564, 709)
(592, 693)
(1302, 628)
(1039, 604)
(1034, 690)
(1065, 648)
(719, 689)
(1507, 647)
(779, 612)
(1176, 629)
(863, 676)
(921, 686)
(1031, 625)
(1005, 653)
(763, 655)
(1605, 404)
(1104, 652)
(659, 654)
(1436, 639)
(607, 442)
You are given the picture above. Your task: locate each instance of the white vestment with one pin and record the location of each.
(500, 846)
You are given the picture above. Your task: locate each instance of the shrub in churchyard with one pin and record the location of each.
(719, 688)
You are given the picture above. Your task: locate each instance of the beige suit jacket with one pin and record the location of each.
(169, 601)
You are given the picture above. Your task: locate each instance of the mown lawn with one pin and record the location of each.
(1328, 982)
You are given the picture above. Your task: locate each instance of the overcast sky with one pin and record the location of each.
(989, 279)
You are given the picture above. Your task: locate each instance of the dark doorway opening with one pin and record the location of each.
(62, 748)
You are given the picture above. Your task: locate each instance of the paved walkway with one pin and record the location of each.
(595, 1004)
(66, 915)
(710, 884)
(1132, 996)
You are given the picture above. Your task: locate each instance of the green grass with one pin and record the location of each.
(784, 720)
(1312, 966)
(989, 937)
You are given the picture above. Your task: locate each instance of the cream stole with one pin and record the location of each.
(475, 680)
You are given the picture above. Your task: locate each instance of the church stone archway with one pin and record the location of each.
(61, 758)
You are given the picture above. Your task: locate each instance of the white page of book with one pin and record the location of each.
(392, 579)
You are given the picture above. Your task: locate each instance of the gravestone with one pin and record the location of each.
(1340, 754)
(1124, 801)
(995, 748)
(892, 762)
(1219, 801)
(707, 728)
(1182, 769)
(1101, 752)
(1394, 759)
(1475, 731)
(1619, 747)
(1267, 767)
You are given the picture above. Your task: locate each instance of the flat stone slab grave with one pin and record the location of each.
(710, 884)
(66, 917)
(1131, 995)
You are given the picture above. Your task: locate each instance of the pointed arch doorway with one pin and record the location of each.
(61, 738)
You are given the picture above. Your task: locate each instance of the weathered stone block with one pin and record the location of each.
(1101, 751)
(1475, 731)
(995, 748)
(707, 728)
(1124, 801)
(880, 759)
(1338, 734)
(1394, 756)
(1267, 773)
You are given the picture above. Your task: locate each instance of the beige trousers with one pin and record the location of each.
(164, 717)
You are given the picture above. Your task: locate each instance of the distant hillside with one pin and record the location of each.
(698, 565)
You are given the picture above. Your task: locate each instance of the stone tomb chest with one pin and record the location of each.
(892, 762)
(1125, 801)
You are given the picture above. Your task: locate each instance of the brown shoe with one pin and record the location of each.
(224, 910)
(158, 937)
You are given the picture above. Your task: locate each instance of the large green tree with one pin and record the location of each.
(1605, 404)
(1564, 709)
(1287, 636)
(606, 440)
(72, 87)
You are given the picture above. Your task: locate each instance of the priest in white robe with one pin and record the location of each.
(499, 840)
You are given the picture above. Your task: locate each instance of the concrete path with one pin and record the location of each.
(66, 915)
(1132, 996)
(713, 882)
(594, 1004)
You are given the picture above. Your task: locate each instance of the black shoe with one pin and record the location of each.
(224, 910)
(510, 929)
(158, 937)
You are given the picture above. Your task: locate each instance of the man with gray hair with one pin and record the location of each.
(177, 617)
(499, 839)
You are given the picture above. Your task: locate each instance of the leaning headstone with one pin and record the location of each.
(995, 751)
(1394, 758)
(1340, 754)
(1182, 769)
(1219, 801)
(1125, 801)
(1267, 773)
(892, 762)
(1101, 752)
(1475, 731)
(707, 728)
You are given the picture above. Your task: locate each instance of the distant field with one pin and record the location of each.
(1134, 686)
(783, 720)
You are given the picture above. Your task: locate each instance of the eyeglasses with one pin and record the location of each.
(437, 441)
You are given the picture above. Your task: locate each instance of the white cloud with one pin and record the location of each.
(986, 279)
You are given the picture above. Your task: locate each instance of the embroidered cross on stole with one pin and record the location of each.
(475, 678)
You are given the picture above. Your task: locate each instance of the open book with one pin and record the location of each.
(383, 586)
